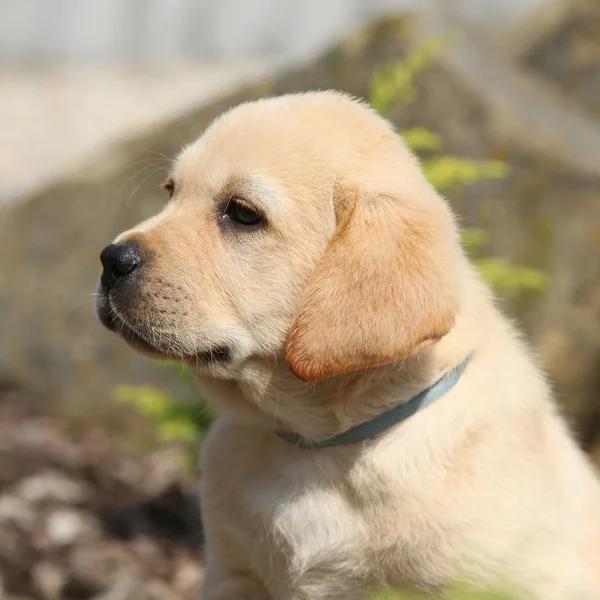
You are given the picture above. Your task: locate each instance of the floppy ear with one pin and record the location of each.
(383, 290)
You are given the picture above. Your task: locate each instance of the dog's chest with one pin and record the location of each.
(331, 540)
(315, 533)
(321, 526)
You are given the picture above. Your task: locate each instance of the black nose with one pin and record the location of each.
(118, 260)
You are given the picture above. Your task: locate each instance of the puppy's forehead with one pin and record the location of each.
(306, 134)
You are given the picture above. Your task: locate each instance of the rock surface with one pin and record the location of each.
(546, 214)
(568, 52)
(53, 117)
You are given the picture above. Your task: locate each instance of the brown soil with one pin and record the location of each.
(83, 516)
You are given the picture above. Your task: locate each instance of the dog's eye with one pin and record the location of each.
(169, 185)
(242, 212)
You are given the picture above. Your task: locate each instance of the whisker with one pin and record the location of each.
(137, 187)
(152, 160)
(152, 168)
(159, 154)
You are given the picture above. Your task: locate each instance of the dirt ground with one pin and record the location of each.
(84, 516)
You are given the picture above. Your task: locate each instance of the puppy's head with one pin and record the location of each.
(297, 227)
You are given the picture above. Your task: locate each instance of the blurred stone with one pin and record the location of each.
(17, 511)
(52, 485)
(567, 52)
(158, 590)
(128, 471)
(145, 548)
(98, 566)
(125, 587)
(48, 579)
(545, 215)
(165, 470)
(187, 578)
(63, 527)
(558, 39)
(38, 437)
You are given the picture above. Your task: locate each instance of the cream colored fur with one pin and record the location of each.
(352, 298)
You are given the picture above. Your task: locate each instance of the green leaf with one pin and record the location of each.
(393, 83)
(183, 419)
(447, 172)
(456, 592)
(179, 429)
(148, 399)
(474, 239)
(181, 370)
(420, 139)
(508, 279)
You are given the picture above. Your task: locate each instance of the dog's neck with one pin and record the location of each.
(267, 394)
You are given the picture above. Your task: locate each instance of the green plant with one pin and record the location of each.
(393, 85)
(183, 419)
(456, 592)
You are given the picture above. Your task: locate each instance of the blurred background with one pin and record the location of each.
(97, 444)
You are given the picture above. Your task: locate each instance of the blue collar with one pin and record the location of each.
(386, 420)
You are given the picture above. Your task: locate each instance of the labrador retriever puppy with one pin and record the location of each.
(382, 424)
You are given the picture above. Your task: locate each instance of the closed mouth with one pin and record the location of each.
(113, 321)
(135, 338)
(140, 340)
